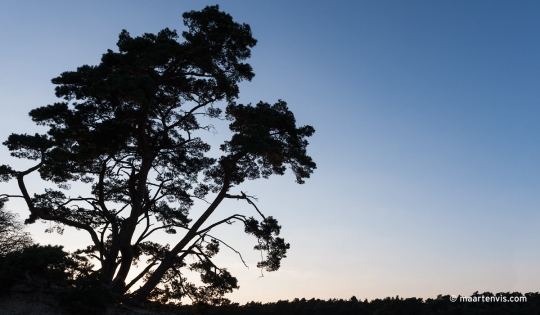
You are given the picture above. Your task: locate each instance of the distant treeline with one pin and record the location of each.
(442, 305)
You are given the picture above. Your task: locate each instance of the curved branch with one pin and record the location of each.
(236, 216)
(143, 236)
(101, 199)
(145, 229)
(40, 214)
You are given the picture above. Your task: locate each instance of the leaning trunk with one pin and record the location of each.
(143, 292)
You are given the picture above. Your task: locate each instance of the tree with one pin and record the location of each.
(130, 129)
(12, 236)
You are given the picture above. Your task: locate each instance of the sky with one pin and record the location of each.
(427, 135)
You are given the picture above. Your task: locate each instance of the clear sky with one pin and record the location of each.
(427, 135)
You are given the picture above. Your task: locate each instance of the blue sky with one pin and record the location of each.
(427, 135)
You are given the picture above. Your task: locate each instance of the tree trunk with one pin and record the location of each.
(143, 292)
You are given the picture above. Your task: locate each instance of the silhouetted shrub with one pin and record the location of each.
(87, 297)
(70, 277)
(36, 265)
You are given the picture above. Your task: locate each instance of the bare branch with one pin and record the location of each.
(246, 198)
(236, 216)
(10, 196)
(222, 242)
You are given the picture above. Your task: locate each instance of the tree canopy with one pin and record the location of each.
(130, 129)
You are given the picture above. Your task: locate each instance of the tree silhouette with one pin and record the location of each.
(129, 129)
(395, 306)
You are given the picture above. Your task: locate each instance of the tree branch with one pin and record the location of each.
(141, 274)
(40, 214)
(246, 198)
(236, 216)
(241, 258)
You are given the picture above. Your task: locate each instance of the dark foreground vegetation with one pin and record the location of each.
(388, 306)
(70, 279)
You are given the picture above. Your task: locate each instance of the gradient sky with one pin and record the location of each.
(427, 135)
